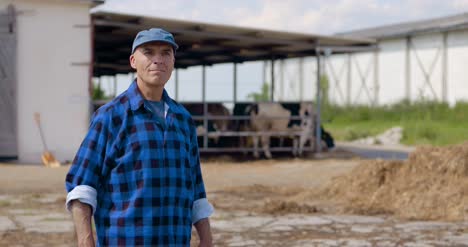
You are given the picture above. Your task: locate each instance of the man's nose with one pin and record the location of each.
(157, 59)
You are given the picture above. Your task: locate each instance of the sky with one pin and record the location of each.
(307, 16)
(311, 16)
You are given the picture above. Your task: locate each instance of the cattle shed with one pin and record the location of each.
(418, 60)
(52, 49)
(203, 44)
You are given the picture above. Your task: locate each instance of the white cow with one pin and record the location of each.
(267, 117)
(307, 128)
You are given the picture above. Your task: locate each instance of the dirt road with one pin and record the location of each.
(259, 203)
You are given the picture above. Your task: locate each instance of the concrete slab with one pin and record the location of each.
(417, 244)
(49, 198)
(363, 229)
(6, 200)
(355, 243)
(317, 243)
(241, 224)
(423, 226)
(47, 223)
(354, 219)
(460, 239)
(6, 224)
(300, 221)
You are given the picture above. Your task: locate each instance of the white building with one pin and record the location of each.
(45, 58)
(415, 60)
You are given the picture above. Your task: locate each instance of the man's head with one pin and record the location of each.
(153, 56)
(153, 35)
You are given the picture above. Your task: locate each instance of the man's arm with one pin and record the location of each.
(82, 213)
(204, 232)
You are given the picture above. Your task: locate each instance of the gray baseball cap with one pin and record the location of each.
(152, 35)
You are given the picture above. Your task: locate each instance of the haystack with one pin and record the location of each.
(431, 185)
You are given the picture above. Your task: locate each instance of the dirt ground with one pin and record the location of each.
(258, 203)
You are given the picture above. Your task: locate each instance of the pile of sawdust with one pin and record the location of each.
(280, 207)
(432, 185)
(259, 198)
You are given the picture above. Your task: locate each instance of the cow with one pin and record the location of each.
(308, 130)
(214, 109)
(269, 117)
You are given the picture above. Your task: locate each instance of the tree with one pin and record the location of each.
(324, 89)
(98, 92)
(263, 95)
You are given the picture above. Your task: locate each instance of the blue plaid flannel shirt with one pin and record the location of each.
(146, 178)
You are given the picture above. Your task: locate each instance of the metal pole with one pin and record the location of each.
(318, 134)
(376, 77)
(301, 79)
(281, 82)
(205, 108)
(115, 86)
(408, 68)
(235, 82)
(272, 92)
(444, 68)
(348, 81)
(177, 84)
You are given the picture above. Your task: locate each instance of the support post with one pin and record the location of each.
(301, 79)
(205, 108)
(115, 85)
(281, 82)
(376, 77)
(348, 81)
(444, 68)
(272, 92)
(234, 79)
(318, 134)
(408, 68)
(177, 84)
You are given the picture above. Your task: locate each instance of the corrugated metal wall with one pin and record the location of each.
(8, 133)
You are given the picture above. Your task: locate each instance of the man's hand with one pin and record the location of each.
(82, 213)
(204, 233)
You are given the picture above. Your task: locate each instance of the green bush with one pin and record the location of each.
(423, 122)
(354, 134)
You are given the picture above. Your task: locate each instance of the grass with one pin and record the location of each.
(4, 204)
(423, 122)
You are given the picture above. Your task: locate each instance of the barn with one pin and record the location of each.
(52, 49)
(47, 65)
(413, 61)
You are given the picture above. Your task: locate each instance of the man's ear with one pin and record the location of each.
(132, 61)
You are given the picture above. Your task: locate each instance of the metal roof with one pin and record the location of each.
(205, 44)
(435, 25)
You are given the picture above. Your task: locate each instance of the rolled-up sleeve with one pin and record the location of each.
(201, 207)
(82, 180)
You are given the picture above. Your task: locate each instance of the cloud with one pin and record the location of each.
(312, 16)
(460, 4)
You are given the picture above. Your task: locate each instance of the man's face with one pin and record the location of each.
(153, 63)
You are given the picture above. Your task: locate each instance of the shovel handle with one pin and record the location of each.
(37, 118)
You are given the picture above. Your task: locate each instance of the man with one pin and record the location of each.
(138, 168)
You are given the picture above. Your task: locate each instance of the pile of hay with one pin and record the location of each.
(431, 185)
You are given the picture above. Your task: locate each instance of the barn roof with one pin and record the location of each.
(435, 25)
(205, 44)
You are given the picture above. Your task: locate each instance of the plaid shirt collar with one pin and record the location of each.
(136, 99)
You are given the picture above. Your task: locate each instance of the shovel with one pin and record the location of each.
(47, 157)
